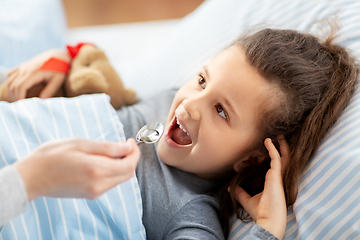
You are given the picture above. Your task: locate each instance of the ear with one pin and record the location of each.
(253, 156)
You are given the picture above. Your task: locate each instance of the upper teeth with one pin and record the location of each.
(181, 127)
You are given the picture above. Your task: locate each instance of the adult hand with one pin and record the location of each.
(268, 208)
(27, 75)
(77, 168)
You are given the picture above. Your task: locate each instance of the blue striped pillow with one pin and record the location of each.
(24, 125)
(328, 203)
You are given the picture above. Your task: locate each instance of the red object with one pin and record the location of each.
(73, 50)
(56, 65)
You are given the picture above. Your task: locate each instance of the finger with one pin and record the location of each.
(274, 155)
(131, 147)
(105, 148)
(22, 84)
(111, 167)
(12, 75)
(14, 78)
(249, 203)
(242, 196)
(100, 187)
(122, 170)
(126, 165)
(15, 84)
(53, 85)
(21, 72)
(13, 70)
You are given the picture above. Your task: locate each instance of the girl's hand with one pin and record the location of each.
(268, 208)
(27, 75)
(77, 168)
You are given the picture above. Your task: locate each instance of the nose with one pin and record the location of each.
(193, 108)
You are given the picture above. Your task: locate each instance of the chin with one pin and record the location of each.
(167, 155)
(161, 150)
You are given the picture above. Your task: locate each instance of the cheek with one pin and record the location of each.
(211, 147)
(229, 145)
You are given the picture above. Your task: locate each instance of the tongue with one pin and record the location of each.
(181, 138)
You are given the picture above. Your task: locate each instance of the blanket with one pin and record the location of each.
(26, 124)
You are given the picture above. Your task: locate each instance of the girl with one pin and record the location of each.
(277, 84)
(227, 124)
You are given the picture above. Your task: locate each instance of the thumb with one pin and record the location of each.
(249, 203)
(104, 148)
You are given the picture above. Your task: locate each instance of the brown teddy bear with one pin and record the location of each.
(90, 72)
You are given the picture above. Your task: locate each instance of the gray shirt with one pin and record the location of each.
(177, 204)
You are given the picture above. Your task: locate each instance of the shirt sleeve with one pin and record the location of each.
(197, 220)
(259, 233)
(13, 196)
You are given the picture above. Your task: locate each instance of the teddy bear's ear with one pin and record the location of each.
(95, 53)
(87, 55)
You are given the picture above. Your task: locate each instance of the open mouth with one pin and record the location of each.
(179, 134)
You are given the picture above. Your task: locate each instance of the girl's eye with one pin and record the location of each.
(221, 111)
(202, 82)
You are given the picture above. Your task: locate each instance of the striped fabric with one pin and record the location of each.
(24, 125)
(328, 204)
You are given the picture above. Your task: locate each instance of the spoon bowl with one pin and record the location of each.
(150, 133)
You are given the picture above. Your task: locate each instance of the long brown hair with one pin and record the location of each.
(317, 80)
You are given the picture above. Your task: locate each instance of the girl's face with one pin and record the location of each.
(213, 119)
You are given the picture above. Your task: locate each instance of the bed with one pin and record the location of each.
(154, 56)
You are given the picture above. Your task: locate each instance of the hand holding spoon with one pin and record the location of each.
(150, 133)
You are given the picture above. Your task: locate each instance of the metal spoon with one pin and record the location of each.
(150, 133)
